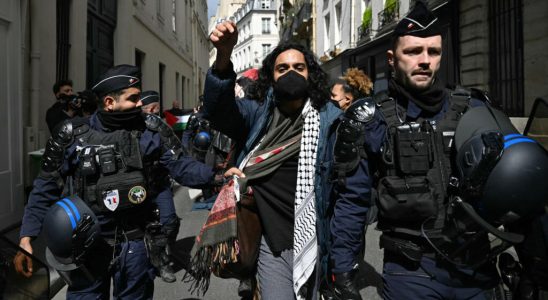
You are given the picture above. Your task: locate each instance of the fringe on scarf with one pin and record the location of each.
(207, 260)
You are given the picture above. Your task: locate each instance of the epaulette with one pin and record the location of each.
(381, 97)
(80, 125)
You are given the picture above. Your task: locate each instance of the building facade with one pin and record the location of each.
(49, 40)
(494, 45)
(225, 9)
(297, 22)
(257, 34)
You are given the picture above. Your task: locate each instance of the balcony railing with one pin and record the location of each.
(364, 31)
(389, 14)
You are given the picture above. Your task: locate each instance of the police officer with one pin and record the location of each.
(160, 235)
(119, 161)
(150, 101)
(399, 142)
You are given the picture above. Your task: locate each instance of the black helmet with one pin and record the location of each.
(202, 140)
(504, 171)
(71, 229)
(500, 178)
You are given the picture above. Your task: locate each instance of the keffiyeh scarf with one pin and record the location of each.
(305, 246)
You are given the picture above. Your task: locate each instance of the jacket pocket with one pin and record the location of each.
(406, 199)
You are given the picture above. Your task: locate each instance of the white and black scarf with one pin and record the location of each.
(305, 249)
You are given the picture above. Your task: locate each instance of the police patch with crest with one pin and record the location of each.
(111, 199)
(137, 194)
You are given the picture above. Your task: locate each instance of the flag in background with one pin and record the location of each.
(176, 122)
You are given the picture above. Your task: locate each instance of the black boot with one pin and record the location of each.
(326, 291)
(345, 288)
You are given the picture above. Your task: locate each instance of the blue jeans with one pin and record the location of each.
(133, 275)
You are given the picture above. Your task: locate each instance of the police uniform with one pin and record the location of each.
(137, 154)
(402, 149)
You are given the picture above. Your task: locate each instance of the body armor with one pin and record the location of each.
(415, 166)
(414, 174)
(112, 175)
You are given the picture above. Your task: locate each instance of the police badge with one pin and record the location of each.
(111, 199)
(137, 194)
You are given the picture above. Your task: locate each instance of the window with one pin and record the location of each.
(188, 86)
(160, 10)
(177, 87)
(183, 79)
(338, 21)
(266, 25)
(326, 33)
(173, 16)
(249, 59)
(266, 49)
(139, 59)
(162, 69)
(265, 4)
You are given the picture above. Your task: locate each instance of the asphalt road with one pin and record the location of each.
(369, 279)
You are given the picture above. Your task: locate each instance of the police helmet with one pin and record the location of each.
(500, 179)
(505, 170)
(71, 229)
(202, 140)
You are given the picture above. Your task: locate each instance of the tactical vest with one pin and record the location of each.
(112, 175)
(414, 166)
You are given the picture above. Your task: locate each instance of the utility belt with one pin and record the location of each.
(411, 248)
(122, 235)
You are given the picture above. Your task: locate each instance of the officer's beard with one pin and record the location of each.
(128, 120)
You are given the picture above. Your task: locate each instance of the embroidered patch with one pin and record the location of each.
(137, 194)
(111, 199)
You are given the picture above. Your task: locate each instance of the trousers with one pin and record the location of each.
(402, 282)
(131, 273)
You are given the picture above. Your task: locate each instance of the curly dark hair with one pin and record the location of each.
(317, 78)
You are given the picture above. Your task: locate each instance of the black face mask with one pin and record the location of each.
(290, 87)
(129, 120)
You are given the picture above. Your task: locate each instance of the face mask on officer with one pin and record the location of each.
(290, 87)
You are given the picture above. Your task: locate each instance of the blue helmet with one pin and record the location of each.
(71, 229)
(202, 140)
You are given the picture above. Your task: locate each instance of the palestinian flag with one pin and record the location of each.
(176, 122)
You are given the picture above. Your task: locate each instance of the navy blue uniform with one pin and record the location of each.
(132, 272)
(401, 280)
